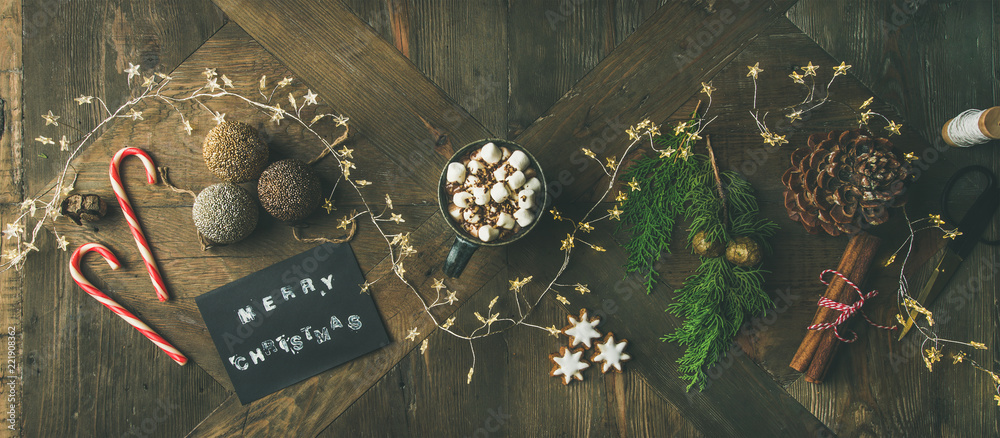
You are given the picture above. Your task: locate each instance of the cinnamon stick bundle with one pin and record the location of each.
(819, 346)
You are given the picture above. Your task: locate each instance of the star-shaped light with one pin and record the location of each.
(64, 144)
(622, 197)
(28, 205)
(401, 239)
(615, 213)
(226, 82)
(555, 214)
(66, 189)
(44, 140)
(262, 83)
(633, 134)
(344, 223)
(328, 206)
(611, 163)
(412, 334)
(84, 99)
(553, 330)
(365, 287)
(517, 283)
(754, 70)
(438, 285)
(980, 346)
(810, 70)
(12, 255)
(50, 119)
(347, 153)
(400, 270)
(693, 137)
(362, 182)
(209, 73)
(582, 288)
(285, 82)
(133, 71)
(148, 81)
(448, 323)
(707, 88)
(278, 114)
(135, 114)
(910, 157)
(952, 234)
(219, 118)
(634, 185)
(957, 358)
(866, 103)
(797, 78)
(588, 152)
(291, 100)
(187, 127)
(163, 76)
(794, 115)
(666, 153)
(562, 299)
(865, 116)
(62, 243)
(397, 218)
(340, 120)
(213, 84)
(841, 69)
(452, 297)
(388, 201)
(13, 229)
(680, 128)
(310, 97)
(586, 227)
(567, 243)
(894, 127)
(932, 355)
(423, 346)
(779, 140)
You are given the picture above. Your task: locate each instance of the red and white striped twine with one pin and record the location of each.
(133, 220)
(847, 311)
(74, 269)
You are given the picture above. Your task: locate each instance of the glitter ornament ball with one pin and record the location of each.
(743, 251)
(289, 190)
(705, 247)
(224, 213)
(234, 152)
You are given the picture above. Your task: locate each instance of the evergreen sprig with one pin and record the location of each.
(714, 301)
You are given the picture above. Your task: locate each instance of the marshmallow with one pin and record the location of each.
(455, 212)
(471, 180)
(456, 172)
(476, 166)
(526, 199)
(462, 199)
(533, 184)
(500, 173)
(499, 192)
(519, 160)
(505, 153)
(516, 180)
(505, 221)
(524, 217)
(488, 233)
(490, 153)
(471, 216)
(481, 195)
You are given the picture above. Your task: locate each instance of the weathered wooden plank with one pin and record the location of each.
(321, 44)
(11, 133)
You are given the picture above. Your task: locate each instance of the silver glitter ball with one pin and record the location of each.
(225, 213)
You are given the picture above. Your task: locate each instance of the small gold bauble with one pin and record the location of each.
(704, 247)
(743, 251)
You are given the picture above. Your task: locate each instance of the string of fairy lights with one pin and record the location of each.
(154, 88)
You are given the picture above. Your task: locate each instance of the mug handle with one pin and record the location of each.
(458, 257)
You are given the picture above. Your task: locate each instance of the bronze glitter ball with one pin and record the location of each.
(704, 247)
(234, 152)
(289, 190)
(743, 251)
(224, 213)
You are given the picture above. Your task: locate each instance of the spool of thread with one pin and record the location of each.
(972, 127)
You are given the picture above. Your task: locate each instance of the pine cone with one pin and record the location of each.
(843, 180)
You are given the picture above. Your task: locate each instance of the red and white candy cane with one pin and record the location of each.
(74, 270)
(133, 220)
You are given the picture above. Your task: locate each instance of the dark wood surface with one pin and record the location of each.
(419, 80)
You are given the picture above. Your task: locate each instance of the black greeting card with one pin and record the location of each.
(292, 320)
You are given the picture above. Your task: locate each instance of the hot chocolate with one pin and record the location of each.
(493, 192)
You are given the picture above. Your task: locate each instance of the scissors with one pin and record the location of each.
(972, 226)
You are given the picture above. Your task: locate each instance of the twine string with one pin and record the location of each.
(846, 310)
(964, 129)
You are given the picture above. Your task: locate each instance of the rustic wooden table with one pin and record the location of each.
(419, 80)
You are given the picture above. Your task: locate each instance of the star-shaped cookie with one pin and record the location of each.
(568, 364)
(611, 354)
(582, 330)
